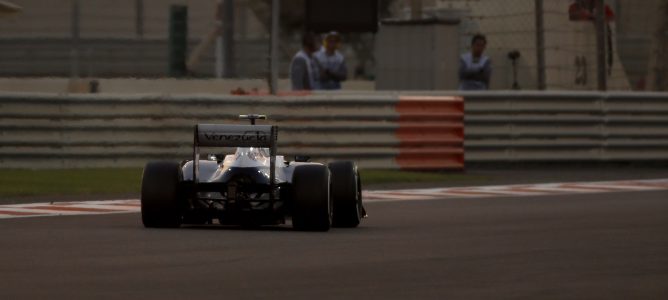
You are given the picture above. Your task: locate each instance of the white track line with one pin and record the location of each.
(517, 190)
(68, 208)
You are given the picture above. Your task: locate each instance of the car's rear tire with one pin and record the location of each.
(346, 194)
(311, 207)
(161, 203)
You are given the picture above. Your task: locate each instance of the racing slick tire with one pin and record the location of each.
(161, 202)
(311, 207)
(346, 194)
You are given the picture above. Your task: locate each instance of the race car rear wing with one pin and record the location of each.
(221, 135)
(226, 135)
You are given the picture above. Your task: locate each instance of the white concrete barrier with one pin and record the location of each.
(379, 130)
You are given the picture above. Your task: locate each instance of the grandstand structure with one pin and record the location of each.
(119, 38)
(122, 38)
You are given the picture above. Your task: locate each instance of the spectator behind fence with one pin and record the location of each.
(330, 63)
(302, 71)
(475, 68)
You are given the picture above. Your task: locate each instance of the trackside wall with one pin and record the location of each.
(377, 129)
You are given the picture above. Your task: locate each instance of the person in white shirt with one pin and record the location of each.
(475, 69)
(330, 63)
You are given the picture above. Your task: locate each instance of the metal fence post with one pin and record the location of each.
(75, 51)
(139, 18)
(273, 51)
(178, 40)
(540, 46)
(228, 39)
(416, 9)
(219, 40)
(600, 45)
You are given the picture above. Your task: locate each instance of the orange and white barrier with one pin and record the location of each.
(430, 132)
(378, 131)
(389, 130)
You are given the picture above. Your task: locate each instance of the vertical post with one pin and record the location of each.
(219, 39)
(74, 51)
(540, 46)
(657, 79)
(243, 21)
(600, 45)
(416, 9)
(273, 51)
(178, 40)
(139, 18)
(228, 38)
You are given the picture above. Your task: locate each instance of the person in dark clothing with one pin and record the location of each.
(302, 71)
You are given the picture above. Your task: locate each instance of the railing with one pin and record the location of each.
(379, 130)
(563, 126)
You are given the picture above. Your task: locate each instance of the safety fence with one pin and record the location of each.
(563, 126)
(120, 57)
(379, 130)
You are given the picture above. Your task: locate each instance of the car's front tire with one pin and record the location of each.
(346, 194)
(311, 207)
(161, 202)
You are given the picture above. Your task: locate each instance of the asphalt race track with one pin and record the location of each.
(586, 246)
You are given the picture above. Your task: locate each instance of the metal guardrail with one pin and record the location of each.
(96, 130)
(374, 128)
(563, 126)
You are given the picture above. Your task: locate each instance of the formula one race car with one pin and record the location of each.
(251, 187)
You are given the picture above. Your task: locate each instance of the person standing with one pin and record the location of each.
(302, 71)
(330, 63)
(475, 69)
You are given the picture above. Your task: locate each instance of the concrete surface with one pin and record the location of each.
(596, 246)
